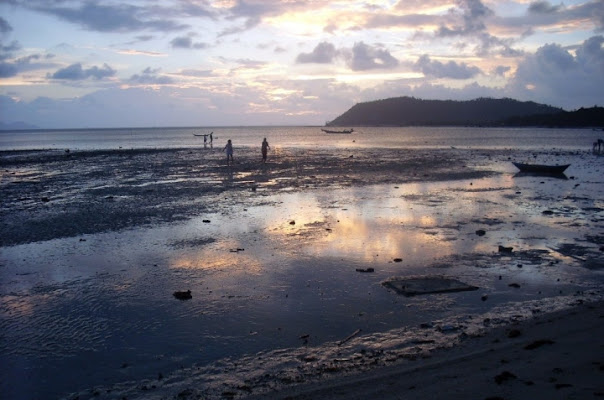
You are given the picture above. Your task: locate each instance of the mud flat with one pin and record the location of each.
(94, 244)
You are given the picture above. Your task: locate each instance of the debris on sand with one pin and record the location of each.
(538, 343)
(365, 270)
(504, 377)
(412, 286)
(508, 250)
(183, 295)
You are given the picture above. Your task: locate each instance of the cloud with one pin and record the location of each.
(111, 18)
(6, 50)
(75, 72)
(151, 76)
(198, 73)
(323, 53)
(185, 42)
(554, 73)
(8, 70)
(472, 16)
(451, 69)
(468, 21)
(364, 57)
(542, 7)
(542, 15)
(501, 70)
(5, 26)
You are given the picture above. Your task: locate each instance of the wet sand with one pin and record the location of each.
(53, 194)
(553, 356)
(123, 229)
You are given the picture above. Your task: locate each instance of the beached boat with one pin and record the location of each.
(540, 168)
(342, 131)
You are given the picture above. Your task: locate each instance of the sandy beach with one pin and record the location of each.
(286, 264)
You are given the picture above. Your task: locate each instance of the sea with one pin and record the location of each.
(302, 136)
(291, 280)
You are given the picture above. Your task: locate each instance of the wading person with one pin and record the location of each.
(265, 148)
(229, 151)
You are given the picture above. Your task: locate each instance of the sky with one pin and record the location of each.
(154, 63)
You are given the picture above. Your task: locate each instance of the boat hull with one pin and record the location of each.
(540, 168)
(346, 131)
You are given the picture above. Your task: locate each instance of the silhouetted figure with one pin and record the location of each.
(598, 146)
(229, 151)
(265, 148)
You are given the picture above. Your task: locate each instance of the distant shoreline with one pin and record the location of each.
(34, 130)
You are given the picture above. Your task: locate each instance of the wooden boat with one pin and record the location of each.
(540, 168)
(342, 131)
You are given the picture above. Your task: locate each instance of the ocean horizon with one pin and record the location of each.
(298, 136)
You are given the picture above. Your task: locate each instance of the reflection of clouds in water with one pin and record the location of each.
(230, 258)
(360, 223)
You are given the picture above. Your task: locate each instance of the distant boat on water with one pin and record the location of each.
(540, 168)
(342, 131)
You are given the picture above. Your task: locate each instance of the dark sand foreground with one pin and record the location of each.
(554, 356)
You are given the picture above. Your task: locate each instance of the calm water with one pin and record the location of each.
(410, 137)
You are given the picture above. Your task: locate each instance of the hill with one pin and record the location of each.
(409, 111)
(583, 117)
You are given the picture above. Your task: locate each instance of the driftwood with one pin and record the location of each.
(349, 337)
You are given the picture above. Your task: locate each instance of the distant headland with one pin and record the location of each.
(409, 111)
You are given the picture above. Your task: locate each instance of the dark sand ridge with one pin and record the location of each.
(554, 356)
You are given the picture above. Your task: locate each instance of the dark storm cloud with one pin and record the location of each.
(75, 72)
(151, 76)
(323, 53)
(450, 69)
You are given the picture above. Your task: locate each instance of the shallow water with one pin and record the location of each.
(308, 137)
(266, 272)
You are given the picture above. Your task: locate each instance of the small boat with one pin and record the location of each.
(540, 168)
(342, 131)
(204, 134)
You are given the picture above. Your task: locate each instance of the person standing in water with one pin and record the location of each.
(229, 151)
(265, 148)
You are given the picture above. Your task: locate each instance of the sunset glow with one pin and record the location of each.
(298, 62)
